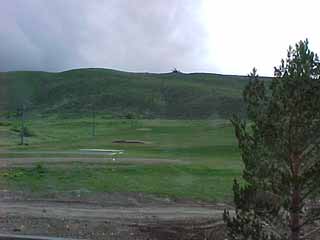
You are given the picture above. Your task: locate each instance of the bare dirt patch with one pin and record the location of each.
(109, 216)
(130, 142)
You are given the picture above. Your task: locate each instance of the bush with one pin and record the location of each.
(39, 170)
(5, 124)
(130, 116)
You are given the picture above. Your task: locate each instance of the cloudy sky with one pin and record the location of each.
(222, 36)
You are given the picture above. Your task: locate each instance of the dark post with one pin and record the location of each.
(22, 125)
(93, 122)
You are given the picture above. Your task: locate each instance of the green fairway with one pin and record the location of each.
(208, 148)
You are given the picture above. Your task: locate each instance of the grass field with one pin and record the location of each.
(207, 146)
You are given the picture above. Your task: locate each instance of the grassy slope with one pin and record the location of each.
(171, 95)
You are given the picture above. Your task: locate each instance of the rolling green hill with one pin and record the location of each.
(169, 95)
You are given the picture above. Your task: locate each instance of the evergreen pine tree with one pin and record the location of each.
(280, 149)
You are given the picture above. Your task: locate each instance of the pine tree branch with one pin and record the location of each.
(310, 233)
(313, 188)
(310, 147)
(273, 229)
(310, 219)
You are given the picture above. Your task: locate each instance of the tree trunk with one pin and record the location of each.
(295, 201)
(295, 216)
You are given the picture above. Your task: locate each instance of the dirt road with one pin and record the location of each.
(78, 211)
(114, 215)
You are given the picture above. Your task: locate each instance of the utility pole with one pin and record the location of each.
(93, 122)
(22, 125)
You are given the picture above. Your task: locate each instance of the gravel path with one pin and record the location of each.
(7, 162)
(50, 209)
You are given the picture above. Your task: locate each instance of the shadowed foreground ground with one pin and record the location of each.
(113, 216)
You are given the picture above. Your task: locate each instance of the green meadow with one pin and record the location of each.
(206, 149)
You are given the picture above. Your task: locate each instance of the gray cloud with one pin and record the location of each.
(140, 35)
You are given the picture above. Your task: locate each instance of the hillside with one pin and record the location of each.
(169, 95)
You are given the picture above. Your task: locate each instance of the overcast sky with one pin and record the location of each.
(221, 36)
